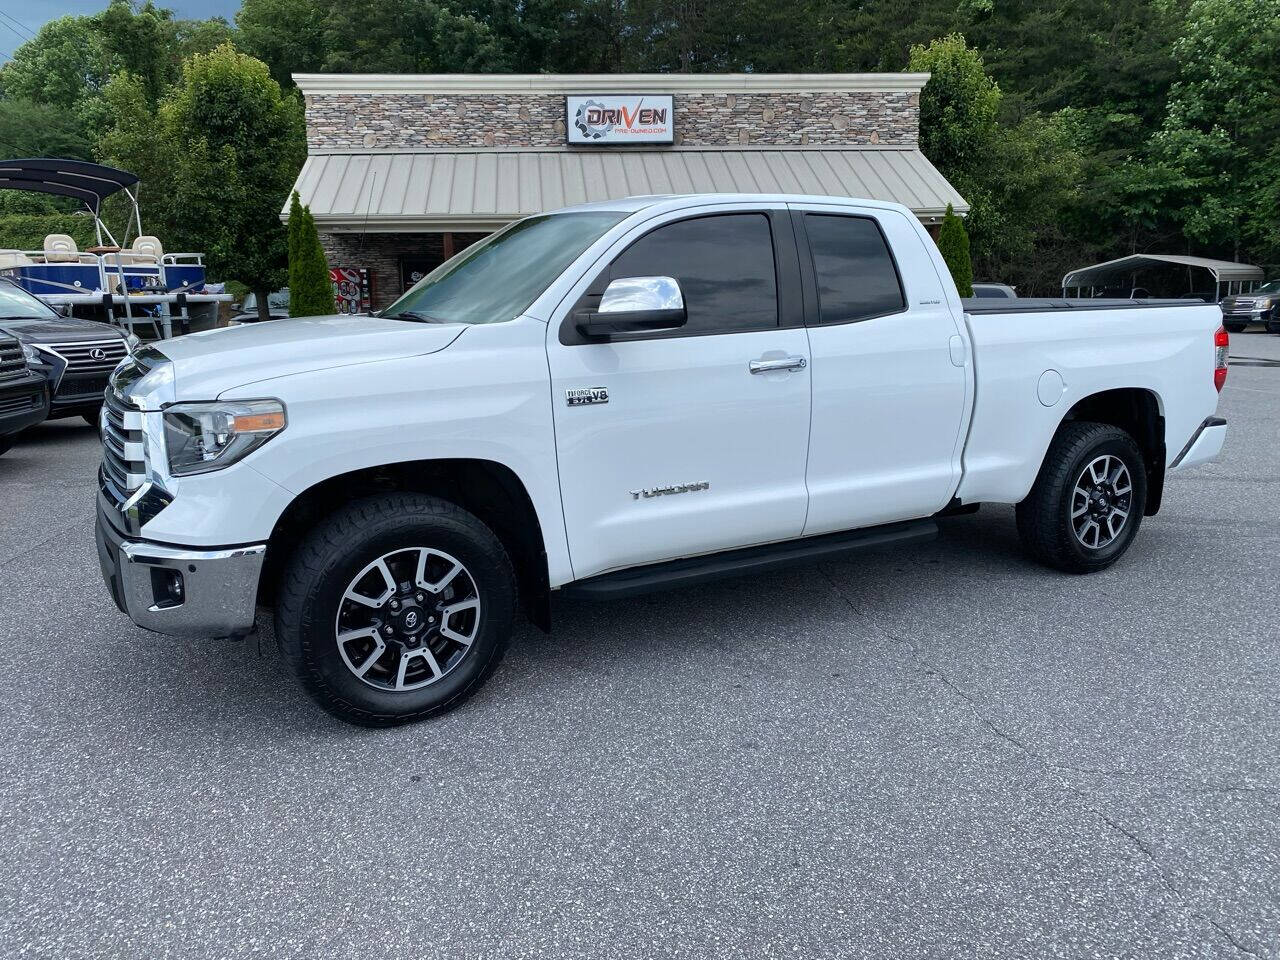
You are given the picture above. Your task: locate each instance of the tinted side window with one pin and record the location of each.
(724, 265)
(855, 272)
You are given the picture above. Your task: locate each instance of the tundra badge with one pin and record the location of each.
(585, 395)
(670, 488)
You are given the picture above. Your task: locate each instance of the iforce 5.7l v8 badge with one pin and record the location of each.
(585, 395)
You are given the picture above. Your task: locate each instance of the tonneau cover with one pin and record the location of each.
(1041, 304)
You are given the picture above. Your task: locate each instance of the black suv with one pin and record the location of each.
(24, 399)
(1260, 305)
(76, 356)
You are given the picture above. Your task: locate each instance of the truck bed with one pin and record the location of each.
(1034, 359)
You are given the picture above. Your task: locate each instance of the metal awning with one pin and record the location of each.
(480, 190)
(90, 183)
(1101, 274)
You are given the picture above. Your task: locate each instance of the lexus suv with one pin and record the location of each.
(75, 356)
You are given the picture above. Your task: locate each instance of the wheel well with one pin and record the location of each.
(1137, 412)
(484, 488)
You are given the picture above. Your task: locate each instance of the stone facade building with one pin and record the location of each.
(404, 170)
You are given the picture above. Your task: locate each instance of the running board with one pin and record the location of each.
(732, 563)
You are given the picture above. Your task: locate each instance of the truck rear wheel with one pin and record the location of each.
(396, 608)
(1088, 500)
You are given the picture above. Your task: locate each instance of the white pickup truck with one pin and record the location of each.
(620, 397)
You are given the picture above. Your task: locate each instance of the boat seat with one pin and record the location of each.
(148, 245)
(60, 248)
(13, 258)
(146, 251)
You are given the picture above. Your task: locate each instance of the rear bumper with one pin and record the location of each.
(24, 402)
(1205, 444)
(179, 592)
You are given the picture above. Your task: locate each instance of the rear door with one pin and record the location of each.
(681, 449)
(890, 384)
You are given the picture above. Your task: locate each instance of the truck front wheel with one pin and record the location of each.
(1088, 500)
(396, 608)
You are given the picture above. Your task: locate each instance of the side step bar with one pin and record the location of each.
(732, 563)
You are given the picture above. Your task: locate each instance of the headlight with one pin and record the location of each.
(203, 437)
(31, 353)
(132, 343)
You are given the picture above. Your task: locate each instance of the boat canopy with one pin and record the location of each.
(90, 183)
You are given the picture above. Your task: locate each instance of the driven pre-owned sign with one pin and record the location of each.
(613, 120)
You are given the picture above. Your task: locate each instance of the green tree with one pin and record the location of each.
(63, 63)
(1216, 153)
(1020, 177)
(959, 106)
(219, 155)
(364, 36)
(30, 129)
(953, 244)
(294, 233)
(310, 286)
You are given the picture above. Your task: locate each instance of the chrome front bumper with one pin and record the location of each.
(183, 593)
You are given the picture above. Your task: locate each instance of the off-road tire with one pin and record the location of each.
(317, 574)
(1044, 517)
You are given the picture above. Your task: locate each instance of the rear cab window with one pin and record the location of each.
(854, 269)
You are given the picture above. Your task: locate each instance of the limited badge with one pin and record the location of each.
(585, 395)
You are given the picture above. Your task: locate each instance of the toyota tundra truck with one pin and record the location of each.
(621, 397)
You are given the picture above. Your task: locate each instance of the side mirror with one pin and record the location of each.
(633, 304)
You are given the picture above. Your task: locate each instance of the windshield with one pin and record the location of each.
(1271, 286)
(497, 278)
(17, 304)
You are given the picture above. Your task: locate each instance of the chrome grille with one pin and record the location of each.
(122, 456)
(12, 363)
(90, 356)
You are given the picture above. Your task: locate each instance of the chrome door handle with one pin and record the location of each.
(781, 363)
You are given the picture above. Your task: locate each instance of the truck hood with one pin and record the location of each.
(58, 330)
(208, 363)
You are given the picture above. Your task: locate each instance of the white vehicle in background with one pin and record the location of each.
(622, 397)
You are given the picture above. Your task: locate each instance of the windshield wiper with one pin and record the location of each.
(415, 317)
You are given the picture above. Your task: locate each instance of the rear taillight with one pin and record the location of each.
(1220, 343)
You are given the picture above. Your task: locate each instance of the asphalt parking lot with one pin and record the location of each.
(942, 751)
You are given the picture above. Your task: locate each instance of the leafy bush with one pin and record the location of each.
(953, 242)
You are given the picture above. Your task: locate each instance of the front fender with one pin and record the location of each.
(484, 398)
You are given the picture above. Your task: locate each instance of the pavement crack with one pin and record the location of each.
(926, 668)
(32, 548)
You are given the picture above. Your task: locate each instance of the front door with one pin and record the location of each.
(669, 444)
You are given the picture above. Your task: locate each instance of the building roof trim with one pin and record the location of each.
(330, 84)
(392, 191)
